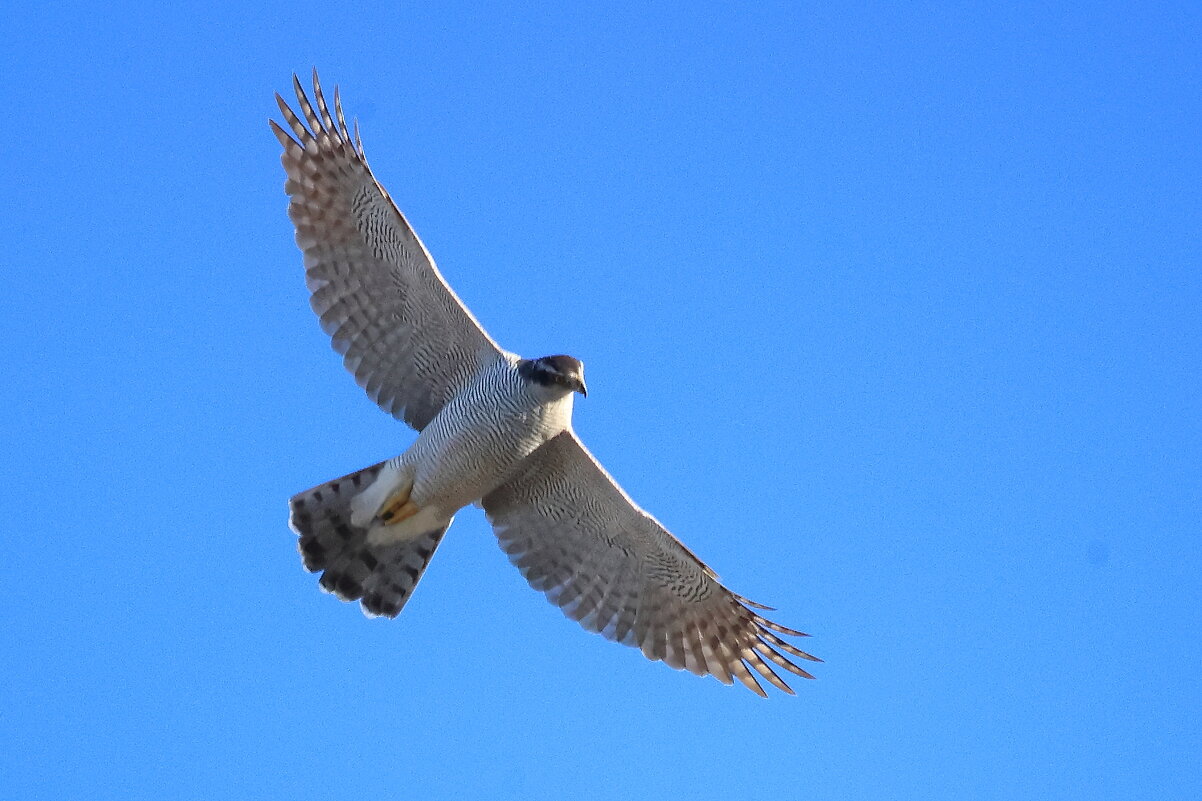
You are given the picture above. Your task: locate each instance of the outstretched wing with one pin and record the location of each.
(577, 537)
(408, 340)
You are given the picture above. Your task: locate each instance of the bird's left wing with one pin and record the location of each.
(578, 538)
(408, 340)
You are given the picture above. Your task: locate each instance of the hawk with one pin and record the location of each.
(494, 429)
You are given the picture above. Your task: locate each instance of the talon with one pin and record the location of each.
(393, 503)
(398, 509)
(396, 506)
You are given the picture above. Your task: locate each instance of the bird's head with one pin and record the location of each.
(562, 373)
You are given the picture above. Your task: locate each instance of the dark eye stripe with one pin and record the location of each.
(537, 372)
(548, 370)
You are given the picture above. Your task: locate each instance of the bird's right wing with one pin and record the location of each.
(408, 340)
(577, 537)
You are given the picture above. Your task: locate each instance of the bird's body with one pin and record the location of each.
(470, 447)
(494, 429)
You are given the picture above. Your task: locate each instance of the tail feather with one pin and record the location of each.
(382, 577)
(398, 570)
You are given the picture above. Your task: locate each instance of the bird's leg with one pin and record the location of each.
(387, 500)
(397, 506)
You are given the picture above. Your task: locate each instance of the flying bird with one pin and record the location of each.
(495, 430)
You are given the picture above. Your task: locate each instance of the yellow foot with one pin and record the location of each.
(398, 508)
(393, 503)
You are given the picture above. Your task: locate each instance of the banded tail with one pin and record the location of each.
(381, 576)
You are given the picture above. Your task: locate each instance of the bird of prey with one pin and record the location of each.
(495, 430)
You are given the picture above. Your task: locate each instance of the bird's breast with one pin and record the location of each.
(479, 439)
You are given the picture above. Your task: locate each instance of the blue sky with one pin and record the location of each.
(892, 315)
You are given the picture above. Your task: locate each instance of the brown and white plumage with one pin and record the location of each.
(406, 337)
(495, 429)
(578, 538)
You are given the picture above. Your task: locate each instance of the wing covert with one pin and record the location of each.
(578, 538)
(406, 337)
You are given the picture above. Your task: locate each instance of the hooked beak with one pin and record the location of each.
(581, 388)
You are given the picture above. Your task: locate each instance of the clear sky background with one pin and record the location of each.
(892, 315)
